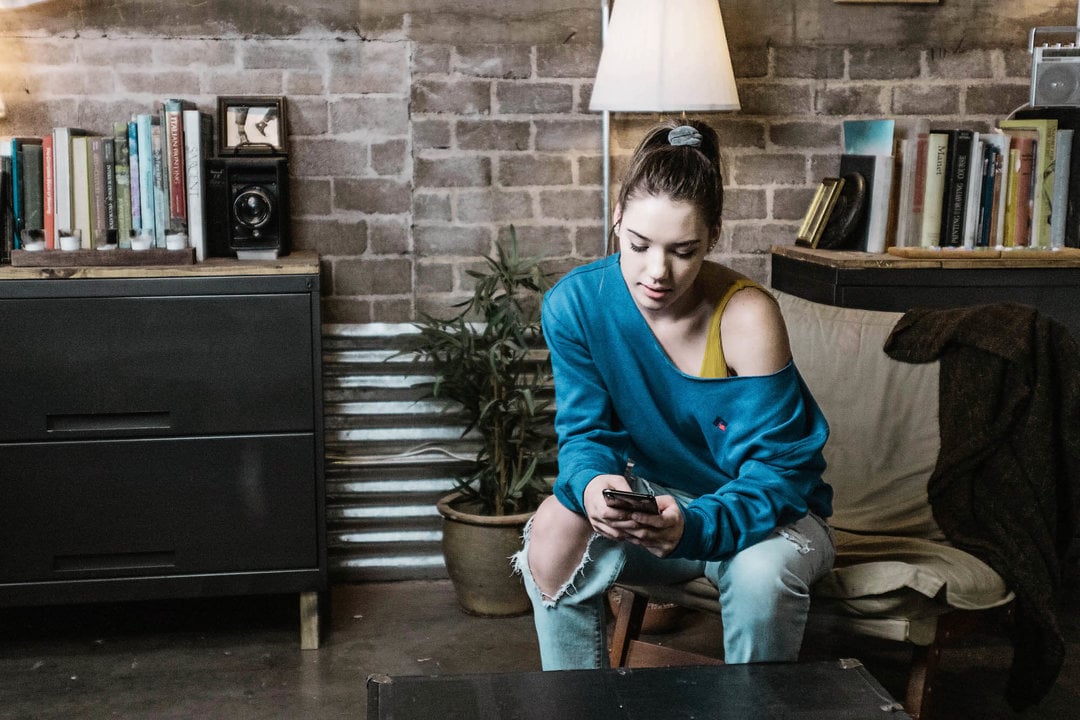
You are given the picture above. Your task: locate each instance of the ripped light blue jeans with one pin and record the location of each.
(764, 594)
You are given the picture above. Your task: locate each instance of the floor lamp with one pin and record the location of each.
(660, 56)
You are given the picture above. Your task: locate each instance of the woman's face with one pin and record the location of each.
(663, 244)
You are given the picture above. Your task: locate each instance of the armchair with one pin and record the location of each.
(896, 576)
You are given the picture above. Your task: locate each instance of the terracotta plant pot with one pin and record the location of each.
(477, 550)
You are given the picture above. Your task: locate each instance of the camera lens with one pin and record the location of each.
(252, 207)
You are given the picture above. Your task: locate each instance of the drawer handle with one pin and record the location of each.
(103, 422)
(114, 561)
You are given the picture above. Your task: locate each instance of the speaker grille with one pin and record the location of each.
(1058, 85)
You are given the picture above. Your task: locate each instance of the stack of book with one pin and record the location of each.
(949, 187)
(138, 184)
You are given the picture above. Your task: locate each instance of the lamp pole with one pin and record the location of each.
(605, 123)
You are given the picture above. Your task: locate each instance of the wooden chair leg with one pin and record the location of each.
(920, 688)
(309, 621)
(924, 660)
(627, 625)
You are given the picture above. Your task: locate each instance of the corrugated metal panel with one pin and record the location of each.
(391, 453)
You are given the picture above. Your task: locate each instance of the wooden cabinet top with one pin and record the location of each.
(920, 258)
(295, 263)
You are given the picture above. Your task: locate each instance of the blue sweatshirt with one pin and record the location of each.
(748, 448)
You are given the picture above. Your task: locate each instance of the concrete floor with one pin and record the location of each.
(239, 658)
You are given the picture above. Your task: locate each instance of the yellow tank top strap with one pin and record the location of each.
(713, 364)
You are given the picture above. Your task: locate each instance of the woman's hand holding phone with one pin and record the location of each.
(658, 531)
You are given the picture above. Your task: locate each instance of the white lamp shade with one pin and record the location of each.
(665, 56)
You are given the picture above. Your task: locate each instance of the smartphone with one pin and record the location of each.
(631, 501)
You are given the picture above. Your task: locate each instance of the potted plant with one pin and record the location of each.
(489, 359)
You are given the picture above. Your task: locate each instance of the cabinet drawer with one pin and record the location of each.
(86, 367)
(93, 509)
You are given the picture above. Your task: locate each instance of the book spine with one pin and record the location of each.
(1043, 187)
(161, 212)
(174, 128)
(937, 147)
(80, 189)
(16, 190)
(33, 213)
(162, 176)
(62, 180)
(905, 215)
(918, 193)
(98, 221)
(957, 165)
(146, 172)
(990, 172)
(198, 137)
(998, 208)
(1020, 187)
(48, 188)
(7, 221)
(109, 178)
(1002, 199)
(976, 171)
(1062, 177)
(134, 171)
(62, 167)
(123, 184)
(881, 200)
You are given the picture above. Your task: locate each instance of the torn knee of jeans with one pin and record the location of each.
(796, 538)
(520, 563)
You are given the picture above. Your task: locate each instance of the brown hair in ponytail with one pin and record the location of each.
(684, 173)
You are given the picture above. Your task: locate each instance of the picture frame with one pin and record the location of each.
(252, 125)
(818, 212)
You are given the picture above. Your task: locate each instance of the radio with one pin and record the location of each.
(1055, 70)
(247, 207)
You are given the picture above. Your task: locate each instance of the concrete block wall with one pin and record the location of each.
(421, 130)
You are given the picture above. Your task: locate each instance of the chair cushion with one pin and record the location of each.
(871, 567)
(883, 417)
(882, 586)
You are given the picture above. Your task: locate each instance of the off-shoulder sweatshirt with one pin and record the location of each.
(747, 448)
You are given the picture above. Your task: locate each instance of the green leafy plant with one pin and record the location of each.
(489, 358)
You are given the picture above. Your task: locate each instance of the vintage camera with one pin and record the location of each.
(247, 207)
(1055, 69)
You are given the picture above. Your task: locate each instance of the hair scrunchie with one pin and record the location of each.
(684, 135)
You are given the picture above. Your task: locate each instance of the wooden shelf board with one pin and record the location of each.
(933, 258)
(295, 263)
(98, 258)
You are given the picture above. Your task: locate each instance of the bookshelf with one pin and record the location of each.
(880, 281)
(161, 433)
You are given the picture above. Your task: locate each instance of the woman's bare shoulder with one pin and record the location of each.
(753, 333)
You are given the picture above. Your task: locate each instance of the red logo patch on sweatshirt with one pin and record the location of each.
(720, 423)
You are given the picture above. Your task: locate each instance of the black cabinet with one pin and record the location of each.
(1050, 283)
(162, 436)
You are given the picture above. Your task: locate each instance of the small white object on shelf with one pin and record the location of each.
(256, 254)
(176, 241)
(143, 241)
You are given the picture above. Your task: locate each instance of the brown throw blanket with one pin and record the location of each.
(1007, 480)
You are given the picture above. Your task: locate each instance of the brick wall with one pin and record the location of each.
(420, 130)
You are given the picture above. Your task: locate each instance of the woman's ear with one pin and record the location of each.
(714, 237)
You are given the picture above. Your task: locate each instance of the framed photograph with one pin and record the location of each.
(817, 214)
(252, 125)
